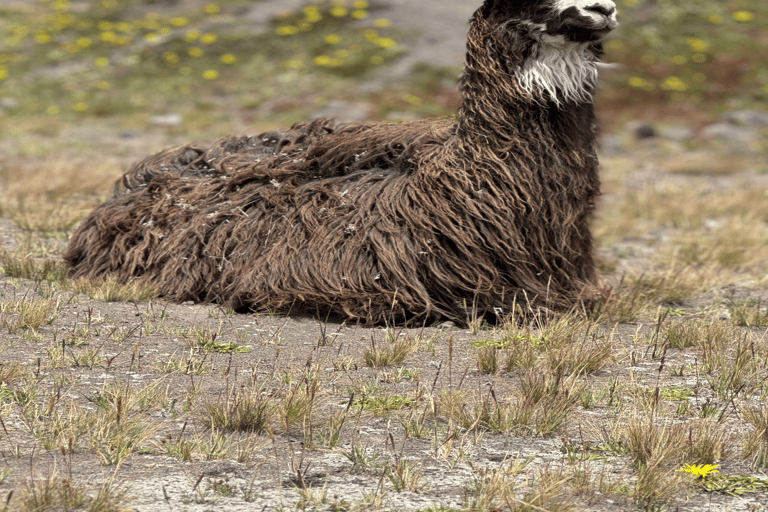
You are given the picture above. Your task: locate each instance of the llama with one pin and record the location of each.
(431, 219)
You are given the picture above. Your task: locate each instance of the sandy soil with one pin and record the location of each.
(134, 340)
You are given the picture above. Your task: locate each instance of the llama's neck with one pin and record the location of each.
(515, 94)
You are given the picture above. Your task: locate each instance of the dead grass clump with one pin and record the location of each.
(113, 291)
(751, 313)
(28, 313)
(24, 267)
(756, 442)
(658, 483)
(243, 409)
(708, 442)
(568, 344)
(57, 493)
(496, 489)
(635, 295)
(539, 407)
(710, 336)
(301, 398)
(393, 352)
(119, 426)
(493, 489)
(728, 249)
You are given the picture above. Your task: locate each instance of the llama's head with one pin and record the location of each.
(576, 21)
(551, 46)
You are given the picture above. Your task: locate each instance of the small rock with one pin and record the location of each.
(8, 103)
(166, 120)
(748, 117)
(641, 129)
(677, 133)
(730, 132)
(447, 325)
(188, 303)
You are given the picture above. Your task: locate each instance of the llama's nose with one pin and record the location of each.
(604, 7)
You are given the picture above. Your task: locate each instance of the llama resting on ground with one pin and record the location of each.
(377, 222)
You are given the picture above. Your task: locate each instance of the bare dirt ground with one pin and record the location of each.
(117, 391)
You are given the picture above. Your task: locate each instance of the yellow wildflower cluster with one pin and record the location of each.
(59, 32)
(700, 470)
(349, 49)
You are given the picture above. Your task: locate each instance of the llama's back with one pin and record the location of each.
(259, 220)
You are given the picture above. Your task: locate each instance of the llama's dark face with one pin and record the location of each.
(579, 21)
(582, 20)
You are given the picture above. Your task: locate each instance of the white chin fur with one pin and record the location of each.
(562, 70)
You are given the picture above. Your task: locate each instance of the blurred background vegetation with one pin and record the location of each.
(68, 63)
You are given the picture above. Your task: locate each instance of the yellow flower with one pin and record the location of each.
(385, 42)
(210, 74)
(212, 9)
(295, 64)
(312, 13)
(715, 19)
(191, 36)
(679, 59)
(382, 22)
(195, 52)
(637, 82)
(102, 62)
(103, 85)
(412, 99)
(700, 470)
(322, 60)
(80, 107)
(107, 36)
(699, 58)
(377, 59)
(83, 42)
(743, 16)
(3, 72)
(179, 21)
(338, 12)
(105, 25)
(359, 14)
(171, 57)
(208, 38)
(42, 38)
(52, 110)
(286, 30)
(228, 58)
(696, 44)
(371, 35)
(332, 39)
(360, 4)
(674, 83)
(152, 37)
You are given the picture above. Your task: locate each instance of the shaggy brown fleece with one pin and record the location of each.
(431, 219)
